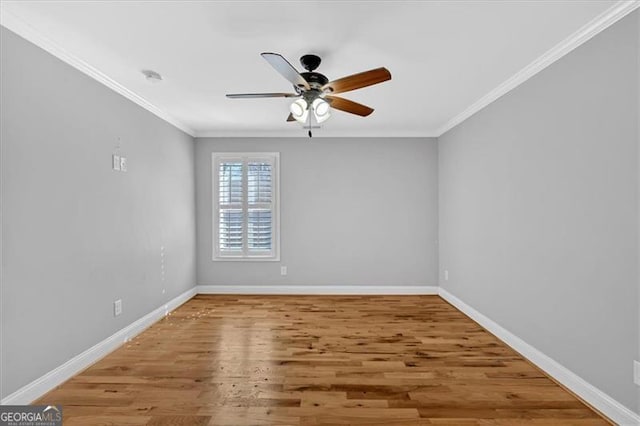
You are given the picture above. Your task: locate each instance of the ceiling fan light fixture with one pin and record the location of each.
(321, 110)
(321, 107)
(300, 110)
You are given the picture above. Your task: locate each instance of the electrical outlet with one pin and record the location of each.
(636, 372)
(115, 162)
(283, 270)
(123, 164)
(446, 275)
(117, 307)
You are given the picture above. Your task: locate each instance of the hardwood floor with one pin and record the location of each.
(316, 360)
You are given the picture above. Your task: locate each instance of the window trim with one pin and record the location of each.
(245, 156)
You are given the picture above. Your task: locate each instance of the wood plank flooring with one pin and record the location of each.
(316, 360)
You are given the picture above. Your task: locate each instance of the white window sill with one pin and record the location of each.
(246, 259)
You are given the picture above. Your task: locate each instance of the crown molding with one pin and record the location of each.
(26, 31)
(302, 133)
(616, 12)
(609, 17)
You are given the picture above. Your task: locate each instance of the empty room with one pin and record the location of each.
(320, 213)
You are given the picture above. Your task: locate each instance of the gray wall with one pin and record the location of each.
(353, 212)
(76, 235)
(539, 211)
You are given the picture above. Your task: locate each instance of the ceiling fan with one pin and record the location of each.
(314, 91)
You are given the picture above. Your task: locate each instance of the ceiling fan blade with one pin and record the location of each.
(290, 117)
(348, 106)
(286, 69)
(261, 95)
(358, 81)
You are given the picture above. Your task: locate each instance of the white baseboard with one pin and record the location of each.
(592, 395)
(318, 289)
(57, 376)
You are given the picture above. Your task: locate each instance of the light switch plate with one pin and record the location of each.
(636, 372)
(115, 162)
(283, 270)
(123, 164)
(117, 307)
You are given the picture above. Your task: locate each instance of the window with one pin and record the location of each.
(246, 209)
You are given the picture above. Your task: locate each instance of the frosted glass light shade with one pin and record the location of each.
(321, 110)
(300, 110)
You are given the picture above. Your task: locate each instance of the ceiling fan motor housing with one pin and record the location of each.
(315, 79)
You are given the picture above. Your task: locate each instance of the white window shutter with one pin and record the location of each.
(230, 215)
(246, 206)
(259, 207)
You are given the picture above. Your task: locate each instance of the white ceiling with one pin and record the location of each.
(443, 56)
